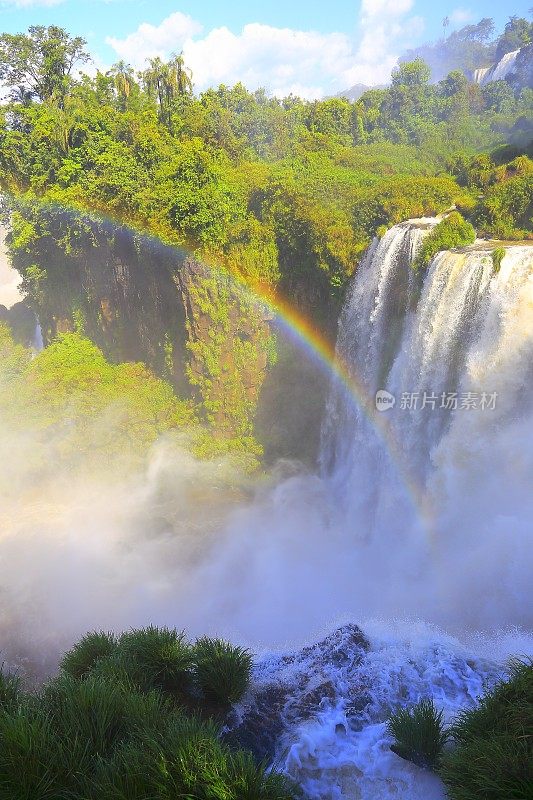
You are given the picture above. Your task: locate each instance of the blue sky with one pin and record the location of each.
(312, 48)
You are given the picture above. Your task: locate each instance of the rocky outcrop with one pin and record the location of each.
(291, 689)
(141, 300)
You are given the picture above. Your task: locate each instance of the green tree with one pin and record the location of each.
(124, 82)
(40, 63)
(166, 81)
(517, 33)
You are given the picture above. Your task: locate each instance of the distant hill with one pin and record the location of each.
(357, 90)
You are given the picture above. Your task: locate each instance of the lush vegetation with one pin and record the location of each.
(278, 195)
(123, 733)
(452, 232)
(473, 47)
(490, 752)
(78, 406)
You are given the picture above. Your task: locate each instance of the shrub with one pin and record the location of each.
(222, 670)
(506, 210)
(82, 658)
(133, 773)
(10, 691)
(156, 658)
(98, 736)
(419, 734)
(493, 753)
(498, 254)
(91, 711)
(453, 231)
(200, 766)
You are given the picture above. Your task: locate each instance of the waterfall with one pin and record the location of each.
(450, 453)
(38, 341)
(498, 71)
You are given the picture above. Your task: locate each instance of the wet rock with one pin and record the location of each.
(295, 688)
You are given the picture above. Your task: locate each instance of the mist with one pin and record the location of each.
(274, 560)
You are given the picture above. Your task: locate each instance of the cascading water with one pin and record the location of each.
(453, 348)
(419, 521)
(38, 341)
(456, 355)
(498, 71)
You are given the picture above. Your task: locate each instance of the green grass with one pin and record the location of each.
(222, 671)
(492, 757)
(156, 658)
(498, 254)
(419, 734)
(10, 691)
(114, 729)
(82, 658)
(34, 762)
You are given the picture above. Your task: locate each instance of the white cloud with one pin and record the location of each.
(150, 41)
(460, 16)
(282, 60)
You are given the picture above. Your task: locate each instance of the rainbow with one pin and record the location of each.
(301, 331)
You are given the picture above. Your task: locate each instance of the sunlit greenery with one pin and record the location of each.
(282, 195)
(452, 232)
(77, 405)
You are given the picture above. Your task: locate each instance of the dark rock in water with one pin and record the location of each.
(291, 689)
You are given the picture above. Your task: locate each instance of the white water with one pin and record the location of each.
(498, 71)
(342, 750)
(38, 341)
(350, 544)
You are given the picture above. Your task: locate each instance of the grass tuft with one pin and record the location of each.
(156, 658)
(493, 753)
(419, 734)
(82, 658)
(10, 691)
(222, 670)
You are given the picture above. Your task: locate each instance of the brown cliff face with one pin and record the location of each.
(140, 300)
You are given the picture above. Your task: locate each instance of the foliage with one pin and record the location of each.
(82, 407)
(492, 755)
(101, 736)
(222, 671)
(281, 195)
(506, 210)
(39, 63)
(452, 232)
(156, 658)
(419, 734)
(10, 691)
(498, 254)
(82, 658)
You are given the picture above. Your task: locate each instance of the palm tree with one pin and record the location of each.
(124, 81)
(183, 74)
(165, 82)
